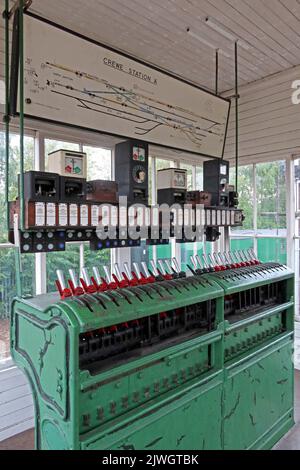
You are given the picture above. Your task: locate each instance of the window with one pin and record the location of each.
(246, 195)
(98, 163)
(99, 166)
(69, 259)
(190, 182)
(271, 197)
(262, 196)
(8, 290)
(7, 254)
(199, 178)
(14, 171)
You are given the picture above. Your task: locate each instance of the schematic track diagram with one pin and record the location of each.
(114, 94)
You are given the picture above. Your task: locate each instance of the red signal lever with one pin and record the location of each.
(98, 281)
(87, 283)
(119, 279)
(112, 284)
(129, 277)
(140, 277)
(62, 288)
(255, 261)
(147, 274)
(75, 284)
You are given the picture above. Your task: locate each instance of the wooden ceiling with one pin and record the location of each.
(156, 31)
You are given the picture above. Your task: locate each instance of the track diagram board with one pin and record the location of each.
(71, 80)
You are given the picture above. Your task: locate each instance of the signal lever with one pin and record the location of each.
(181, 274)
(118, 278)
(61, 285)
(75, 284)
(155, 272)
(111, 283)
(86, 282)
(148, 276)
(163, 272)
(129, 277)
(98, 281)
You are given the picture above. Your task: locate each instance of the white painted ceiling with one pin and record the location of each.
(156, 31)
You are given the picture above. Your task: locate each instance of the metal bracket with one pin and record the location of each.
(14, 8)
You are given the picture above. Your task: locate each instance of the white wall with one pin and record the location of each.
(269, 124)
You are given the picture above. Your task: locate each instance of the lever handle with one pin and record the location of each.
(168, 264)
(197, 257)
(154, 268)
(107, 274)
(61, 278)
(161, 267)
(127, 271)
(177, 268)
(97, 275)
(194, 263)
(118, 272)
(137, 271)
(145, 269)
(85, 276)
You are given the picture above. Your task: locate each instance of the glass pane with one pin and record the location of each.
(246, 195)
(139, 254)
(271, 197)
(96, 258)
(98, 163)
(164, 251)
(53, 145)
(69, 259)
(189, 169)
(150, 181)
(162, 164)
(8, 291)
(187, 250)
(14, 171)
(199, 178)
(272, 249)
(241, 244)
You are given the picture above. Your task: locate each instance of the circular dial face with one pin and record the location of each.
(139, 174)
(74, 165)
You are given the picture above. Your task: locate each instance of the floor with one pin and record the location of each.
(291, 441)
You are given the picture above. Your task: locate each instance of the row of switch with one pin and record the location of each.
(165, 270)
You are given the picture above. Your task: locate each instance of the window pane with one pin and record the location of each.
(162, 164)
(69, 259)
(14, 171)
(272, 249)
(246, 195)
(164, 251)
(189, 169)
(271, 197)
(98, 163)
(199, 178)
(53, 145)
(150, 181)
(241, 244)
(96, 258)
(187, 250)
(8, 291)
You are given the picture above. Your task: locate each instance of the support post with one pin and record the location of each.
(236, 115)
(21, 103)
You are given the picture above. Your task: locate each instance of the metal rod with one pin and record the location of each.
(236, 115)
(217, 71)
(7, 111)
(18, 272)
(21, 104)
